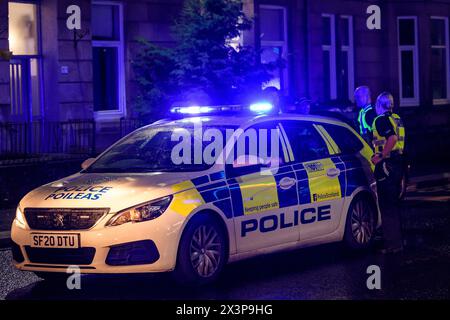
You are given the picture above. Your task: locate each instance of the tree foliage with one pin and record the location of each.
(202, 65)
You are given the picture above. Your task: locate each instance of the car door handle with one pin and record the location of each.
(287, 183)
(333, 172)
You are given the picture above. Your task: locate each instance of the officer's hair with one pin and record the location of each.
(385, 101)
(362, 90)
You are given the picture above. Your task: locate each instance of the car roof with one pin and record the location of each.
(245, 120)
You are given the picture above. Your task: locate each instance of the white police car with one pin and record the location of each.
(153, 202)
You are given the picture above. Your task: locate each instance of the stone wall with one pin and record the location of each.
(4, 65)
(75, 89)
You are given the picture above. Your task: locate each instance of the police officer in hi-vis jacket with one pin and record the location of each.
(367, 113)
(388, 143)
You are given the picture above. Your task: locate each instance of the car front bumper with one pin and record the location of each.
(149, 246)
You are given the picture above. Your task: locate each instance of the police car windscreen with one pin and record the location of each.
(162, 148)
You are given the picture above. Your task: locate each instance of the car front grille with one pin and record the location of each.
(63, 219)
(80, 256)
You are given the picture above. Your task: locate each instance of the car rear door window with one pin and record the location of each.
(347, 142)
(305, 141)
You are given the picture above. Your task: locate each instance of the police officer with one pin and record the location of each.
(303, 106)
(388, 143)
(274, 96)
(367, 112)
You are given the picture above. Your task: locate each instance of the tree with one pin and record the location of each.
(202, 60)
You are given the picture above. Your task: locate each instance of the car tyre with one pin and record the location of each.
(361, 223)
(202, 252)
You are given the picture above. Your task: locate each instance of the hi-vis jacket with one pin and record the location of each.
(379, 141)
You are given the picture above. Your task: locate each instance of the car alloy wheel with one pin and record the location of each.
(205, 250)
(362, 222)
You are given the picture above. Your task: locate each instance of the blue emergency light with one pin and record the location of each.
(192, 110)
(260, 107)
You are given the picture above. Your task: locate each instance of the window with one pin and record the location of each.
(274, 42)
(329, 56)
(25, 65)
(23, 31)
(305, 141)
(347, 142)
(440, 71)
(150, 149)
(108, 60)
(408, 58)
(338, 65)
(346, 72)
(258, 142)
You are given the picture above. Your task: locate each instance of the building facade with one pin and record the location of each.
(58, 75)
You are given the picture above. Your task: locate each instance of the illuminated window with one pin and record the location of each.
(108, 60)
(408, 59)
(273, 35)
(440, 71)
(23, 37)
(25, 65)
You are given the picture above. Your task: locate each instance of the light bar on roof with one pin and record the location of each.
(261, 107)
(189, 110)
(192, 110)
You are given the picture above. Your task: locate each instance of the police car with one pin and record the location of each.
(139, 208)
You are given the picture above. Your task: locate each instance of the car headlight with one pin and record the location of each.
(144, 212)
(20, 218)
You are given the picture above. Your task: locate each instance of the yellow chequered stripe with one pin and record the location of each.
(259, 192)
(322, 187)
(185, 202)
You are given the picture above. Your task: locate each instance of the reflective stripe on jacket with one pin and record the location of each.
(379, 141)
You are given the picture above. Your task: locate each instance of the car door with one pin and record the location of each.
(320, 179)
(264, 202)
(356, 154)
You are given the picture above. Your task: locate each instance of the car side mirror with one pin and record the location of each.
(86, 163)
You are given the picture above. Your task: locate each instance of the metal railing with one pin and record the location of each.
(38, 137)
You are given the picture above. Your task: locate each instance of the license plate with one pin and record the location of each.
(60, 240)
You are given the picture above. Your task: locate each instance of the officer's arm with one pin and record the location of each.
(390, 143)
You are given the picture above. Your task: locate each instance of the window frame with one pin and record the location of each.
(284, 76)
(331, 49)
(414, 101)
(350, 57)
(119, 44)
(446, 47)
(27, 59)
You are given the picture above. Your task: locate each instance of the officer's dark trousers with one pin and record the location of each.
(389, 187)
